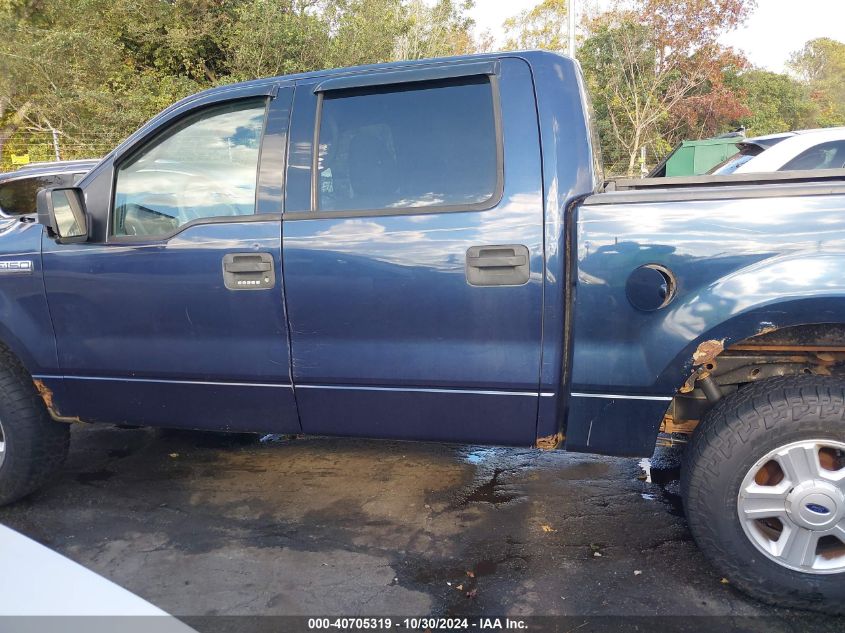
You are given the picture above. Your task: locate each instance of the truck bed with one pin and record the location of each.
(782, 183)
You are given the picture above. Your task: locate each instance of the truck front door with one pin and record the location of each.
(413, 253)
(172, 313)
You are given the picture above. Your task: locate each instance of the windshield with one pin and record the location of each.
(730, 165)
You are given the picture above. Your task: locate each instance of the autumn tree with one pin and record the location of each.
(656, 72)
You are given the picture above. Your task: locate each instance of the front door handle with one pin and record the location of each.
(247, 266)
(498, 265)
(248, 271)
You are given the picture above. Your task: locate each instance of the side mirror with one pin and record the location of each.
(62, 212)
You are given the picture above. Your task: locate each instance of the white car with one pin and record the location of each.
(808, 149)
(42, 591)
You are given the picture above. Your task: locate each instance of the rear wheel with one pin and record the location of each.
(764, 490)
(32, 445)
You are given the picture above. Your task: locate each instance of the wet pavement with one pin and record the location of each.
(202, 524)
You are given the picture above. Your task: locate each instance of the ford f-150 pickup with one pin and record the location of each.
(426, 250)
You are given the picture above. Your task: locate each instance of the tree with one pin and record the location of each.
(775, 102)
(274, 37)
(363, 31)
(656, 72)
(614, 58)
(544, 26)
(437, 30)
(821, 60)
(821, 66)
(94, 70)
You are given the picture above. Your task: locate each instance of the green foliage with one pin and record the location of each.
(656, 73)
(95, 70)
(437, 30)
(614, 58)
(821, 67)
(275, 38)
(363, 31)
(777, 102)
(543, 26)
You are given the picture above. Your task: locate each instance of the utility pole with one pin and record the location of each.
(571, 16)
(56, 143)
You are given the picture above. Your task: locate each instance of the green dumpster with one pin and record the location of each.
(693, 158)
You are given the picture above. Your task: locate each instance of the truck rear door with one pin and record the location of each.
(413, 253)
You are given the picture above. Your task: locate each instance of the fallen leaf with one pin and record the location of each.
(637, 572)
(472, 593)
(174, 455)
(460, 587)
(597, 554)
(448, 583)
(725, 581)
(471, 574)
(547, 528)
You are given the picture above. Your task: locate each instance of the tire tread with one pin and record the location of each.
(770, 407)
(36, 444)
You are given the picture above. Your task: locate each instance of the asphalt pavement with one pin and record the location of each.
(204, 524)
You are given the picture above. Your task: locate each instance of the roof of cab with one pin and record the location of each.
(535, 58)
(531, 56)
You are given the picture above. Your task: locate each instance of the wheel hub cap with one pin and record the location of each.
(815, 505)
(791, 506)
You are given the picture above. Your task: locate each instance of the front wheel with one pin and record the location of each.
(764, 490)
(32, 445)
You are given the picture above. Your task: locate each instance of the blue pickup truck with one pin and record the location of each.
(426, 250)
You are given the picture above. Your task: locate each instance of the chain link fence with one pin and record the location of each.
(27, 147)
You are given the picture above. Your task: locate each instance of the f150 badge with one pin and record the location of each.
(15, 266)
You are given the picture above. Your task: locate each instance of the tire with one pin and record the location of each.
(34, 445)
(755, 440)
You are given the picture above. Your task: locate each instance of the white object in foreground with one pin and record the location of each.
(36, 581)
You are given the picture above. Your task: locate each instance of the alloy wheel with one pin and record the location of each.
(792, 506)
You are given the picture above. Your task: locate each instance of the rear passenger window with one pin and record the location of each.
(423, 145)
(829, 155)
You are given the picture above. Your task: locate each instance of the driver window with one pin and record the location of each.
(205, 166)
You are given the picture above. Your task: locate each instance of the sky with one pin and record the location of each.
(772, 33)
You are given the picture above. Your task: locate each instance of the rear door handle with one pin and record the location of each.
(498, 265)
(496, 261)
(248, 271)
